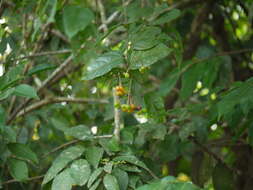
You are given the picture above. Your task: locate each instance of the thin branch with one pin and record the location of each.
(51, 100)
(60, 35)
(117, 123)
(43, 54)
(71, 143)
(16, 181)
(102, 15)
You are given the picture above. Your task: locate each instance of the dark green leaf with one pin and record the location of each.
(75, 19)
(18, 169)
(122, 178)
(40, 68)
(80, 132)
(25, 91)
(167, 17)
(22, 151)
(94, 155)
(110, 182)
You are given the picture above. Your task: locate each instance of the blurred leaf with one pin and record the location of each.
(40, 68)
(96, 184)
(63, 181)
(167, 17)
(18, 169)
(146, 58)
(81, 132)
(22, 151)
(25, 91)
(94, 155)
(75, 19)
(80, 171)
(61, 161)
(223, 178)
(94, 176)
(103, 64)
(122, 178)
(110, 182)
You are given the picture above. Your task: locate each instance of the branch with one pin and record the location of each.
(103, 15)
(73, 142)
(47, 101)
(16, 181)
(117, 126)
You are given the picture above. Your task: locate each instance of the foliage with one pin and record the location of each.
(122, 95)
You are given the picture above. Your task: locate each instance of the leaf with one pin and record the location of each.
(110, 182)
(40, 68)
(122, 178)
(5, 94)
(146, 58)
(131, 159)
(63, 181)
(22, 151)
(25, 91)
(80, 171)
(130, 168)
(95, 185)
(61, 161)
(250, 131)
(167, 17)
(75, 19)
(53, 9)
(108, 167)
(18, 169)
(94, 176)
(103, 64)
(81, 132)
(94, 155)
(223, 178)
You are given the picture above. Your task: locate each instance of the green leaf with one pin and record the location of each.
(122, 178)
(80, 171)
(93, 155)
(5, 94)
(250, 131)
(25, 91)
(95, 185)
(103, 64)
(94, 176)
(18, 169)
(223, 178)
(130, 168)
(22, 151)
(146, 58)
(75, 19)
(63, 181)
(81, 132)
(108, 167)
(131, 159)
(40, 68)
(61, 161)
(167, 17)
(110, 182)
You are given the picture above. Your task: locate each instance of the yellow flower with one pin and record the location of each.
(213, 96)
(204, 92)
(183, 177)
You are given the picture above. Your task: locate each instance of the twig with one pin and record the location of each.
(102, 14)
(43, 54)
(72, 142)
(60, 35)
(16, 181)
(50, 100)
(117, 126)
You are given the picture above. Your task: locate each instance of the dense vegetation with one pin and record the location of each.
(126, 94)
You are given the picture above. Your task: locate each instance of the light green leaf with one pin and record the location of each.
(5, 94)
(110, 182)
(75, 19)
(22, 151)
(80, 171)
(94, 176)
(96, 184)
(18, 169)
(63, 181)
(61, 161)
(25, 91)
(103, 64)
(94, 155)
(146, 58)
(122, 178)
(81, 132)
(40, 68)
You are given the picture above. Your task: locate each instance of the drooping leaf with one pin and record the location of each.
(25, 90)
(94, 155)
(122, 178)
(146, 58)
(18, 169)
(94, 176)
(40, 68)
(81, 132)
(80, 171)
(63, 181)
(75, 19)
(110, 182)
(103, 64)
(61, 161)
(22, 151)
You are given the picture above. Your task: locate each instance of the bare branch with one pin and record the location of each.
(117, 123)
